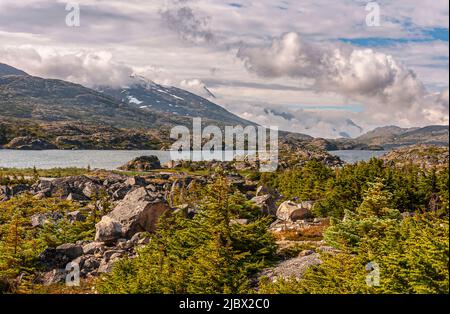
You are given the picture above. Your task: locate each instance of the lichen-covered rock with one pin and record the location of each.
(137, 212)
(108, 230)
(143, 163)
(291, 211)
(70, 250)
(266, 204)
(93, 248)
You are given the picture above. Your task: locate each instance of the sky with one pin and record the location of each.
(324, 68)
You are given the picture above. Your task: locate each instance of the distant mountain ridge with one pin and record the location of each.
(71, 114)
(384, 138)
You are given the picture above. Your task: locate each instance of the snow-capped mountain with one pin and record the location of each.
(149, 96)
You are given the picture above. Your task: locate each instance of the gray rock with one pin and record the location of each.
(266, 203)
(52, 277)
(40, 195)
(133, 181)
(76, 197)
(118, 193)
(19, 189)
(72, 251)
(262, 190)
(116, 253)
(90, 190)
(328, 249)
(306, 253)
(40, 219)
(90, 264)
(108, 230)
(292, 268)
(138, 212)
(144, 163)
(240, 221)
(290, 211)
(76, 216)
(93, 248)
(138, 236)
(79, 261)
(106, 266)
(4, 191)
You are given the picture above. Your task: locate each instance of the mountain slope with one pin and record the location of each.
(142, 105)
(382, 132)
(54, 100)
(35, 110)
(9, 70)
(150, 97)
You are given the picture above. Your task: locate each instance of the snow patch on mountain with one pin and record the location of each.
(133, 100)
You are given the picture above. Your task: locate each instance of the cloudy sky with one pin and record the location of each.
(316, 67)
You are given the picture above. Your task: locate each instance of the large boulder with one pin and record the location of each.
(58, 257)
(108, 230)
(291, 211)
(70, 250)
(93, 248)
(266, 204)
(133, 181)
(142, 164)
(137, 212)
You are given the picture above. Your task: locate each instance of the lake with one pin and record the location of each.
(46, 159)
(352, 156)
(111, 159)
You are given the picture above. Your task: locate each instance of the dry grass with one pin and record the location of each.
(86, 287)
(309, 233)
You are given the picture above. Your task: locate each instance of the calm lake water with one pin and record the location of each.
(111, 159)
(352, 156)
(45, 159)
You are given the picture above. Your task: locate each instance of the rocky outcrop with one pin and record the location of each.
(425, 156)
(89, 258)
(266, 203)
(291, 211)
(6, 192)
(29, 143)
(52, 258)
(40, 219)
(292, 268)
(137, 212)
(142, 164)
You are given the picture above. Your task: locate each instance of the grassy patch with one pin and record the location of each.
(50, 173)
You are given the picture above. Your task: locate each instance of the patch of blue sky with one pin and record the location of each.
(437, 33)
(422, 35)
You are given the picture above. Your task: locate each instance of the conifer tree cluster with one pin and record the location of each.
(411, 254)
(21, 243)
(210, 253)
